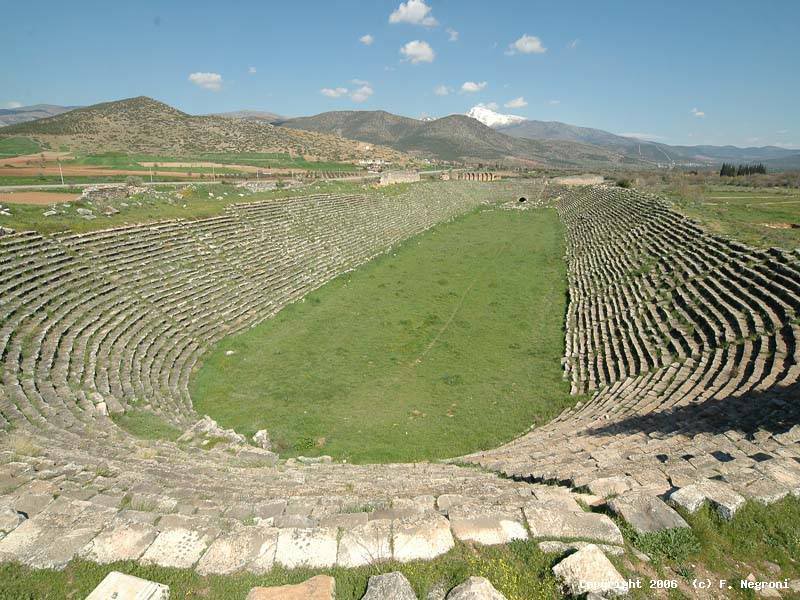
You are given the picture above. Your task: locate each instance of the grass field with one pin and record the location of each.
(760, 217)
(450, 344)
(17, 147)
(196, 205)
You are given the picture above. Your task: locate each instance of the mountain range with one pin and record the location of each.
(482, 136)
(144, 125)
(654, 153)
(22, 114)
(453, 138)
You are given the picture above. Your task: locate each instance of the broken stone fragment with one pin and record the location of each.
(645, 513)
(127, 587)
(207, 429)
(390, 585)
(261, 439)
(475, 588)
(321, 587)
(589, 571)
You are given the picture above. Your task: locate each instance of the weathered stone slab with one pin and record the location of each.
(559, 499)
(646, 513)
(315, 547)
(179, 548)
(52, 538)
(611, 486)
(321, 587)
(390, 585)
(120, 586)
(721, 496)
(556, 547)
(422, 537)
(366, 544)
(486, 524)
(589, 571)
(475, 588)
(447, 501)
(549, 523)
(234, 551)
(345, 521)
(10, 520)
(121, 541)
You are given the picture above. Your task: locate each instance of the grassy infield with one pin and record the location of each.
(448, 344)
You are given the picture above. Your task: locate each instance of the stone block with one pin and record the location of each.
(119, 586)
(422, 537)
(121, 541)
(590, 571)
(178, 548)
(645, 513)
(487, 525)
(366, 544)
(314, 547)
(548, 523)
(238, 549)
(321, 587)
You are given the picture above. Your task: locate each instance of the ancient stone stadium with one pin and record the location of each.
(684, 344)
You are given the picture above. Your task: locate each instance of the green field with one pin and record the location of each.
(121, 160)
(196, 204)
(17, 146)
(449, 344)
(760, 217)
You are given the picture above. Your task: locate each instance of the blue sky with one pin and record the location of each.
(676, 71)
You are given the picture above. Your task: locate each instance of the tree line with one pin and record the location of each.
(731, 170)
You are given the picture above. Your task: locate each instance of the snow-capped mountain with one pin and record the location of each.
(489, 117)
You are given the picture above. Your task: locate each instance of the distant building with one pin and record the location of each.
(392, 177)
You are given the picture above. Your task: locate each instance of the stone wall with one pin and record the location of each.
(392, 177)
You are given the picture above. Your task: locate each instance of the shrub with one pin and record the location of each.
(624, 183)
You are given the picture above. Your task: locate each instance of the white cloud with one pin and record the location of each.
(415, 12)
(366, 39)
(516, 103)
(333, 92)
(362, 94)
(252, 70)
(554, 102)
(698, 113)
(452, 35)
(489, 105)
(442, 90)
(207, 81)
(470, 87)
(418, 52)
(574, 44)
(643, 136)
(12, 104)
(527, 44)
(782, 131)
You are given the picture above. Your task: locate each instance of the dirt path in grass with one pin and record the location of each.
(36, 197)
